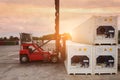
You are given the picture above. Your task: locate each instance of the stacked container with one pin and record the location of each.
(78, 58)
(105, 59)
(97, 30)
(101, 33)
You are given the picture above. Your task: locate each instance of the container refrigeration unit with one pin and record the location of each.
(78, 58)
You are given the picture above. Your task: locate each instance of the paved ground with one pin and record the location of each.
(11, 69)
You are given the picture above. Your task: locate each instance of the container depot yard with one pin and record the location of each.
(11, 69)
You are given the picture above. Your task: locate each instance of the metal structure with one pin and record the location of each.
(57, 26)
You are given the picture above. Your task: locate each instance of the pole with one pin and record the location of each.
(57, 26)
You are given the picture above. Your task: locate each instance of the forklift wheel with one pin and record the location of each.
(24, 59)
(54, 59)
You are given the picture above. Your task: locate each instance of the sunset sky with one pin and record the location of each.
(37, 16)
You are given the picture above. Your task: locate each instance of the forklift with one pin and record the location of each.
(30, 51)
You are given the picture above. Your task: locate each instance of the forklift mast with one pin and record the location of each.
(57, 26)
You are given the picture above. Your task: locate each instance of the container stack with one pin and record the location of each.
(100, 33)
(78, 58)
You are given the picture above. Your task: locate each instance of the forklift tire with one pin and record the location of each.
(24, 59)
(54, 59)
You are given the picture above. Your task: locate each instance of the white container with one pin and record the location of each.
(97, 30)
(78, 58)
(119, 57)
(105, 59)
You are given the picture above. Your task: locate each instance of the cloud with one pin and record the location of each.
(41, 3)
(25, 25)
(37, 16)
(66, 3)
(26, 18)
(89, 3)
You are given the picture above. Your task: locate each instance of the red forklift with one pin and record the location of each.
(30, 51)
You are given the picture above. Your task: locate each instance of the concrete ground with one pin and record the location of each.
(11, 69)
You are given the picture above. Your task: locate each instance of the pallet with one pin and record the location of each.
(105, 73)
(105, 44)
(79, 73)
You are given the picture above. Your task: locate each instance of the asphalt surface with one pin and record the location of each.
(11, 69)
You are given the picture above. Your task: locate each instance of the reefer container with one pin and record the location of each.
(105, 59)
(97, 30)
(119, 58)
(78, 58)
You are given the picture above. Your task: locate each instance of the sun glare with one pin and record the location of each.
(69, 32)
